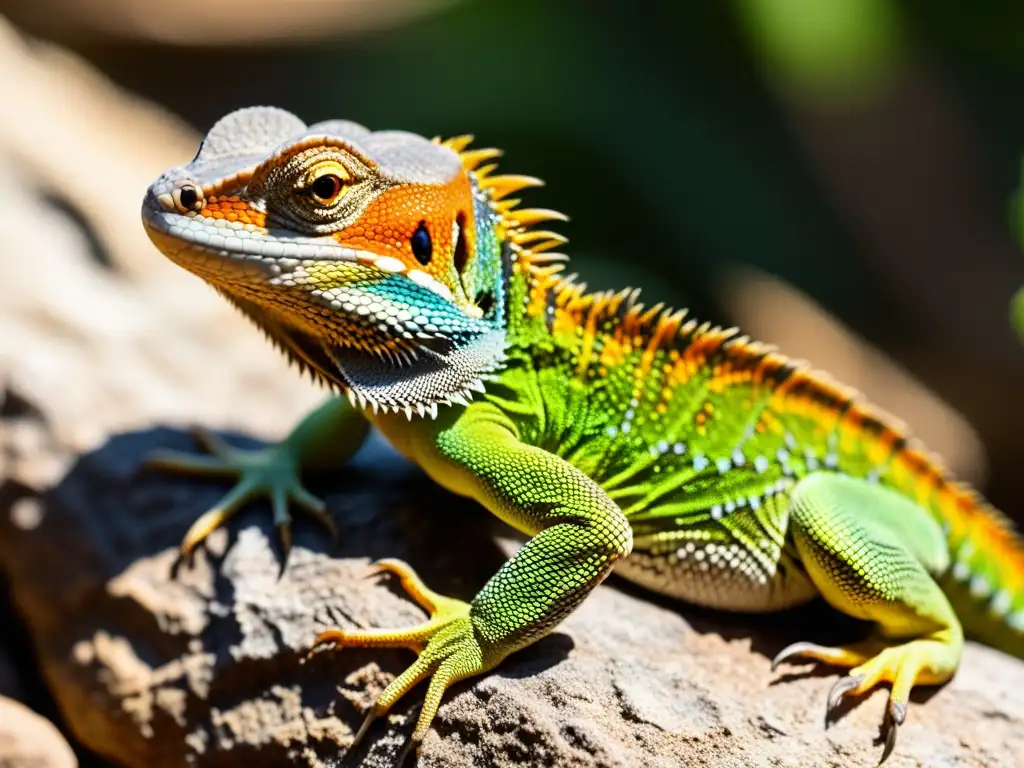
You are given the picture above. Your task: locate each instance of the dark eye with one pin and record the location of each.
(422, 248)
(188, 198)
(326, 188)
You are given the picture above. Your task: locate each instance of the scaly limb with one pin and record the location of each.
(327, 436)
(579, 535)
(869, 552)
(449, 624)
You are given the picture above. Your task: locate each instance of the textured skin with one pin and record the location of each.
(737, 478)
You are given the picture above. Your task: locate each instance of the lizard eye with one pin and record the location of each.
(328, 183)
(187, 198)
(327, 188)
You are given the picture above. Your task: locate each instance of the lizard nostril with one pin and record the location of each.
(188, 198)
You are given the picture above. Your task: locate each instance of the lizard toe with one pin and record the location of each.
(271, 472)
(923, 661)
(840, 656)
(447, 646)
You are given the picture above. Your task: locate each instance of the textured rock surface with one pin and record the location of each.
(29, 741)
(159, 663)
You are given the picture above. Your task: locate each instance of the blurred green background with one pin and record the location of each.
(795, 166)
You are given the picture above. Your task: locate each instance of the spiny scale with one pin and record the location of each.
(471, 159)
(458, 143)
(805, 391)
(532, 247)
(502, 186)
(796, 392)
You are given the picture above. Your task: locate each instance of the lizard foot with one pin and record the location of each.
(272, 472)
(924, 661)
(448, 649)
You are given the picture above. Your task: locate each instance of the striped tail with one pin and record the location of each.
(985, 578)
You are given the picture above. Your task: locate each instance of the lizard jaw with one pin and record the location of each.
(217, 247)
(391, 339)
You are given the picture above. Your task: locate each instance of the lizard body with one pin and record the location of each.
(690, 459)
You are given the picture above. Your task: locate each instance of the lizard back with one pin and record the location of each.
(699, 433)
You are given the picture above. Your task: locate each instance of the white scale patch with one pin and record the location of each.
(1016, 621)
(980, 588)
(689, 564)
(1001, 603)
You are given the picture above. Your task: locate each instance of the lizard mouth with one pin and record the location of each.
(232, 249)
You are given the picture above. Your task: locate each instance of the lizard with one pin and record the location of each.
(402, 273)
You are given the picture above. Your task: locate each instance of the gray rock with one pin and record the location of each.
(159, 663)
(30, 741)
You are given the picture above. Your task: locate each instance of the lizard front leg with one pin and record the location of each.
(578, 536)
(326, 437)
(871, 553)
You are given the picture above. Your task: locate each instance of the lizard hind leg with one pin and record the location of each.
(871, 553)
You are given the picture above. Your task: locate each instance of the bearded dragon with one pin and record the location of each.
(687, 458)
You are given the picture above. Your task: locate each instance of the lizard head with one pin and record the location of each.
(375, 260)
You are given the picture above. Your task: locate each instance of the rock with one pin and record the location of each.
(30, 741)
(154, 661)
(116, 337)
(159, 663)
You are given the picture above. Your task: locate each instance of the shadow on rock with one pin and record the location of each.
(152, 659)
(155, 663)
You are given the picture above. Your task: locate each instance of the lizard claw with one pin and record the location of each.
(841, 687)
(840, 657)
(210, 441)
(370, 718)
(447, 646)
(895, 715)
(411, 745)
(924, 661)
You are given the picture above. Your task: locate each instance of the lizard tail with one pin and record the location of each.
(985, 578)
